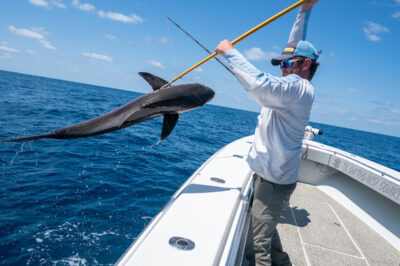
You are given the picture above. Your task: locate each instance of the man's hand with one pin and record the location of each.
(223, 47)
(308, 4)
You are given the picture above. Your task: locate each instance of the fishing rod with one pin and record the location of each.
(202, 46)
(243, 36)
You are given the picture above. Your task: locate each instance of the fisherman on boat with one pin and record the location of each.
(275, 155)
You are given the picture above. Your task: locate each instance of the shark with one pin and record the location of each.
(165, 100)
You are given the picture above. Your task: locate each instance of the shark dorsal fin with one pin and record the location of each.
(169, 123)
(155, 82)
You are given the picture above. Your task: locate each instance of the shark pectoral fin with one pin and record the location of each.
(155, 82)
(169, 123)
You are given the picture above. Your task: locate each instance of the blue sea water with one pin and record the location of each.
(84, 201)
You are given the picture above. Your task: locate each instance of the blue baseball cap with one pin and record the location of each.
(296, 48)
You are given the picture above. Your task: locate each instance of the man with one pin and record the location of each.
(275, 154)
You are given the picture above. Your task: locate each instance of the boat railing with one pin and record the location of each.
(355, 158)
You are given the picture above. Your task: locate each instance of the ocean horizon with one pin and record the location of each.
(229, 107)
(84, 201)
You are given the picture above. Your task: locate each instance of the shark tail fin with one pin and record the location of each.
(31, 138)
(155, 82)
(169, 123)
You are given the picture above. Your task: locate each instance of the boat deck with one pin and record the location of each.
(348, 216)
(316, 230)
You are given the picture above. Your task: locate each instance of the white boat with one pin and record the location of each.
(344, 211)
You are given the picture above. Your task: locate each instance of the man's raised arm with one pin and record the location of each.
(299, 30)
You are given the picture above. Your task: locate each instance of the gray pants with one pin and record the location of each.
(263, 244)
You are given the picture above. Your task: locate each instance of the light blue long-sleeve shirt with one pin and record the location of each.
(286, 106)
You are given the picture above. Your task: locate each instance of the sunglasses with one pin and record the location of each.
(288, 63)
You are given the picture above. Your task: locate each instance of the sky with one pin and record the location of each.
(107, 43)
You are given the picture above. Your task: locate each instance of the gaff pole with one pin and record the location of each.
(243, 36)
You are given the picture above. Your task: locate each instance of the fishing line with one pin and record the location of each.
(202, 46)
(171, 44)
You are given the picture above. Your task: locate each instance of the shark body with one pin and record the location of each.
(169, 102)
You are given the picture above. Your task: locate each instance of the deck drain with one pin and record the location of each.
(181, 243)
(217, 179)
(238, 156)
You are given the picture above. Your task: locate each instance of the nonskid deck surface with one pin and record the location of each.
(316, 230)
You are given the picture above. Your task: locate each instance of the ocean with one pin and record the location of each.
(84, 201)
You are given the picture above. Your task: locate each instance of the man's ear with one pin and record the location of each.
(306, 64)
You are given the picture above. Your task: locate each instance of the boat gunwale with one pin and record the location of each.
(353, 157)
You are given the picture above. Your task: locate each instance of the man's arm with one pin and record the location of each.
(308, 5)
(268, 90)
(299, 30)
(236, 59)
(265, 88)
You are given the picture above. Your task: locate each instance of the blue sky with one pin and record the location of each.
(106, 43)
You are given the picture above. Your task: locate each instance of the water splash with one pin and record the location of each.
(17, 153)
(72, 260)
(152, 145)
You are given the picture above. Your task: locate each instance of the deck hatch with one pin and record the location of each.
(181, 243)
(218, 180)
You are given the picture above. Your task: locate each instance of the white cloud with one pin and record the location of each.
(381, 103)
(341, 111)
(29, 51)
(392, 123)
(46, 4)
(163, 40)
(196, 78)
(84, 7)
(58, 3)
(132, 18)
(26, 33)
(375, 121)
(199, 69)
(356, 91)
(98, 56)
(111, 37)
(47, 45)
(257, 54)
(41, 3)
(39, 30)
(370, 36)
(34, 33)
(156, 64)
(9, 49)
(372, 30)
(376, 28)
(5, 56)
(395, 111)
(396, 14)
(384, 122)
